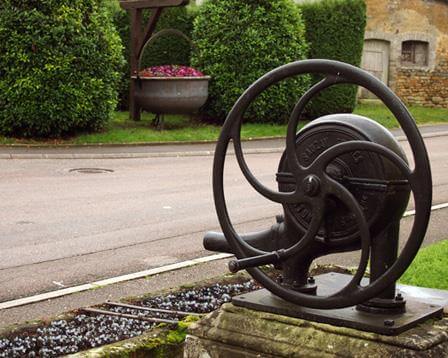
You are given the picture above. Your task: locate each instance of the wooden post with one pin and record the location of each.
(139, 37)
(136, 17)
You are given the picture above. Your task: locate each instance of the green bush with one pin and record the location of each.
(335, 31)
(239, 41)
(165, 50)
(59, 66)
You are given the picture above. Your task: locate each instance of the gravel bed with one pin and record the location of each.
(84, 331)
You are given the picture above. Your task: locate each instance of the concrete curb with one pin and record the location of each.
(141, 155)
(204, 153)
(402, 138)
(110, 281)
(119, 145)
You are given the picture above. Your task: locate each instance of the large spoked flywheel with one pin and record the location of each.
(317, 171)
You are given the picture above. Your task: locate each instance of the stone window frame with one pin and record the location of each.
(410, 50)
(418, 37)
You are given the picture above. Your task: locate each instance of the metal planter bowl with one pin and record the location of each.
(171, 95)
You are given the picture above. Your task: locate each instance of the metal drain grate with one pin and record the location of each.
(91, 170)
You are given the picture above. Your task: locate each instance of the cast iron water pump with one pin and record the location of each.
(344, 183)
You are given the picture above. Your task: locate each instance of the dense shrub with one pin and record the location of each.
(59, 66)
(335, 30)
(239, 41)
(165, 50)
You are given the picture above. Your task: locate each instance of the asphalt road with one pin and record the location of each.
(61, 228)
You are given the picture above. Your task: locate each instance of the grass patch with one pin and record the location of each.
(383, 116)
(430, 267)
(176, 129)
(182, 128)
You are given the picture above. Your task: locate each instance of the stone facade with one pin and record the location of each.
(423, 25)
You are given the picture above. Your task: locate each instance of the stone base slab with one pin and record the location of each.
(240, 332)
(421, 304)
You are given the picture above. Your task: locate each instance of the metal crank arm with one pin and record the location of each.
(248, 262)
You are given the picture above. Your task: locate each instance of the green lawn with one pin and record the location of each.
(430, 267)
(382, 115)
(176, 128)
(182, 128)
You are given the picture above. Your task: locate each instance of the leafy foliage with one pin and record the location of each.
(335, 30)
(166, 50)
(239, 41)
(59, 66)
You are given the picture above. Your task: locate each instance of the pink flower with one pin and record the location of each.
(170, 71)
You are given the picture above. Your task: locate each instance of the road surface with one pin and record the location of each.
(61, 227)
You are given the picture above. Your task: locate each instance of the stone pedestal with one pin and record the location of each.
(239, 332)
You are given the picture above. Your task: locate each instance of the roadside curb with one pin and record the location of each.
(141, 155)
(110, 281)
(402, 138)
(205, 153)
(118, 145)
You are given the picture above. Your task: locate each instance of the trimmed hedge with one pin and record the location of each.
(335, 30)
(239, 41)
(59, 66)
(166, 50)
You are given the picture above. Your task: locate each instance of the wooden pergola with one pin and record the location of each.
(141, 34)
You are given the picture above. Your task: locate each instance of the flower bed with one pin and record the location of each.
(170, 71)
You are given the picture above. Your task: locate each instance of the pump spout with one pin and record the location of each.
(263, 240)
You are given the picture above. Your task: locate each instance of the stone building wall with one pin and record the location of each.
(425, 21)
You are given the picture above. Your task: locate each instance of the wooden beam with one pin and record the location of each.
(136, 35)
(139, 37)
(144, 4)
(136, 38)
(149, 29)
